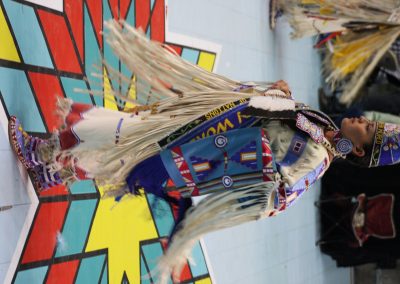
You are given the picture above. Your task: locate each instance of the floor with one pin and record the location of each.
(235, 38)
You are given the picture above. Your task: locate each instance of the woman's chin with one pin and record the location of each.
(344, 123)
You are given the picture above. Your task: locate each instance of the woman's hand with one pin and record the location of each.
(283, 86)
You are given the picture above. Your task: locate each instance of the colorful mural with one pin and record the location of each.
(76, 236)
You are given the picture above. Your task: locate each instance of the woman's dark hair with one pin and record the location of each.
(364, 160)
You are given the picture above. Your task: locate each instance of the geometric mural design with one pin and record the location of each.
(76, 236)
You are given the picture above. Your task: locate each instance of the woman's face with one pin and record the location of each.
(360, 131)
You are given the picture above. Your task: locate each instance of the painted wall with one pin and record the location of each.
(71, 231)
(48, 49)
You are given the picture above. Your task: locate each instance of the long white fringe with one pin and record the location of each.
(217, 211)
(272, 103)
(199, 91)
(158, 66)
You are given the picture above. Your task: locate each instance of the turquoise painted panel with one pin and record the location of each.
(109, 56)
(142, 97)
(69, 84)
(90, 270)
(84, 186)
(19, 99)
(200, 267)
(144, 278)
(162, 213)
(152, 252)
(190, 55)
(28, 33)
(130, 17)
(128, 74)
(143, 270)
(92, 57)
(76, 227)
(104, 278)
(31, 276)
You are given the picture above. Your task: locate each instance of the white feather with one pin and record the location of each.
(272, 103)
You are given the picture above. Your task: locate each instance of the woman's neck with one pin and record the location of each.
(329, 134)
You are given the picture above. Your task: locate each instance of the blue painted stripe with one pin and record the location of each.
(131, 16)
(190, 55)
(92, 57)
(19, 99)
(163, 217)
(104, 278)
(31, 276)
(125, 86)
(142, 97)
(76, 227)
(90, 270)
(144, 276)
(83, 186)
(28, 33)
(69, 84)
(152, 252)
(200, 268)
(109, 56)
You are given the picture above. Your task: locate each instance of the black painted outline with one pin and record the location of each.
(72, 197)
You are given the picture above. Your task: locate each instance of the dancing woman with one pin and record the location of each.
(249, 147)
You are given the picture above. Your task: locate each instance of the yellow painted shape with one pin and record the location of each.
(131, 94)
(109, 99)
(206, 60)
(8, 50)
(119, 227)
(203, 281)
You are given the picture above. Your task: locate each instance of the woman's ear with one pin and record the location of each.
(358, 151)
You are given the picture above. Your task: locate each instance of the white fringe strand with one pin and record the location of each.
(272, 103)
(189, 92)
(216, 211)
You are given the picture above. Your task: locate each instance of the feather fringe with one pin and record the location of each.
(155, 64)
(187, 91)
(368, 27)
(272, 103)
(216, 211)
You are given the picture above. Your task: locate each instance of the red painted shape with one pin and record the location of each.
(60, 42)
(142, 14)
(123, 8)
(177, 48)
(176, 195)
(76, 113)
(74, 11)
(43, 237)
(47, 88)
(185, 274)
(95, 8)
(62, 273)
(55, 190)
(114, 8)
(158, 21)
